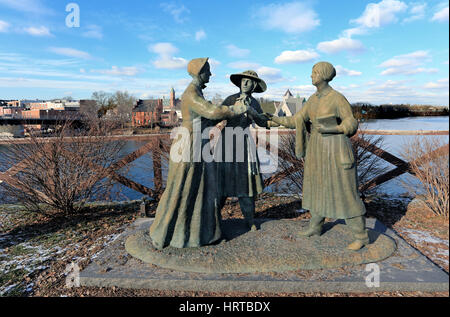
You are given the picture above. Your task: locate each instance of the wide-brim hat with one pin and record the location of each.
(260, 84)
(195, 66)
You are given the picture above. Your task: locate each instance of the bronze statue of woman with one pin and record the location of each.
(330, 184)
(188, 212)
(242, 178)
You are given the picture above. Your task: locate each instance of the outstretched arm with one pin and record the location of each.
(213, 112)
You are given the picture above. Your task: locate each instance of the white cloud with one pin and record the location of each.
(379, 14)
(339, 45)
(414, 58)
(33, 6)
(269, 74)
(439, 84)
(177, 11)
(200, 35)
(354, 31)
(93, 31)
(299, 56)
(243, 65)
(441, 15)
(70, 52)
(214, 63)
(408, 71)
(4, 26)
(293, 17)
(170, 63)
(341, 71)
(118, 71)
(38, 31)
(407, 64)
(163, 48)
(166, 60)
(235, 51)
(417, 12)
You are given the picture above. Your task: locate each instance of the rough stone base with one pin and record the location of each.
(405, 270)
(275, 247)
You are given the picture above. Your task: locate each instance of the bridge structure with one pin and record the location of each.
(43, 121)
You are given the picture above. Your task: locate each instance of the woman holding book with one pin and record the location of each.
(330, 185)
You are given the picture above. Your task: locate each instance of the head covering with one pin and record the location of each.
(196, 65)
(236, 79)
(326, 70)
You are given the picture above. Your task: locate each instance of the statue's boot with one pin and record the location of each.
(248, 210)
(315, 227)
(360, 233)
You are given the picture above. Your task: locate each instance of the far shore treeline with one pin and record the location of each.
(368, 111)
(391, 111)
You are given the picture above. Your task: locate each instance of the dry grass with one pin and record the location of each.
(432, 171)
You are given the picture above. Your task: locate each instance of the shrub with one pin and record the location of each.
(429, 161)
(62, 172)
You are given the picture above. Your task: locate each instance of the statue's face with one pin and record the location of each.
(316, 77)
(205, 74)
(247, 85)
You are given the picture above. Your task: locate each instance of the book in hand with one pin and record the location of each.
(329, 121)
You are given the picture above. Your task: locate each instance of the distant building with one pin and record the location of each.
(14, 103)
(55, 105)
(290, 105)
(11, 112)
(169, 119)
(51, 114)
(147, 112)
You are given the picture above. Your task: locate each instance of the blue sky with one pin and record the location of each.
(387, 51)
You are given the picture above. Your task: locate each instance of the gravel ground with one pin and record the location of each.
(35, 249)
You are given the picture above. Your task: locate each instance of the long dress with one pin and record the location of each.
(241, 176)
(188, 214)
(330, 184)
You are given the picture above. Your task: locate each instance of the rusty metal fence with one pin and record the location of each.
(154, 144)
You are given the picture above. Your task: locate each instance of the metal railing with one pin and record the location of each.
(154, 145)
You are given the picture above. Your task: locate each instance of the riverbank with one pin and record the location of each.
(365, 111)
(35, 250)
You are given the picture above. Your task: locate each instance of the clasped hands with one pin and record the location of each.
(320, 127)
(242, 105)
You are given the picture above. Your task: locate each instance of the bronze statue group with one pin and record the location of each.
(189, 211)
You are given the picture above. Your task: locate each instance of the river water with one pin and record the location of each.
(141, 170)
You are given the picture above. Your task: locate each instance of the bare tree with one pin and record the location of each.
(62, 172)
(104, 102)
(429, 161)
(124, 103)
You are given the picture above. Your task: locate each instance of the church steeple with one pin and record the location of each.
(172, 98)
(288, 94)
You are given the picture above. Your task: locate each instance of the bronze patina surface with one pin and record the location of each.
(276, 247)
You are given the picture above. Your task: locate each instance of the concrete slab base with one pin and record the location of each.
(405, 270)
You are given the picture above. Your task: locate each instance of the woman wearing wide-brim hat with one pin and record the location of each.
(241, 177)
(187, 213)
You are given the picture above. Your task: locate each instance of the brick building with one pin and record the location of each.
(147, 113)
(11, 112)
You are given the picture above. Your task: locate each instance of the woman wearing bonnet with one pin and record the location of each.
(330, 184)
(188, 214)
